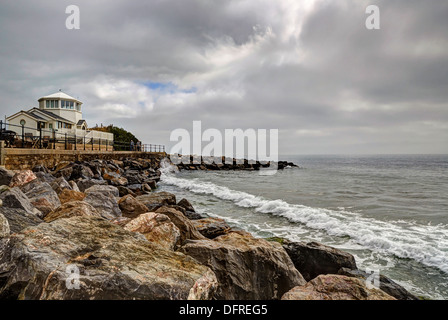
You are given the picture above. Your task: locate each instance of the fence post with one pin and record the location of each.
(54, 139)
(65, 141)
(76, 143)
(99, 145)
(40, 135)
(84, 139)
(23, 136)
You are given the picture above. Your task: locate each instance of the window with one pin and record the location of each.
(62, 104)
(72, 105)
(50, 126)
(47, 103)
(22, 122)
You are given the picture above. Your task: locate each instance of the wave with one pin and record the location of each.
(427, 244)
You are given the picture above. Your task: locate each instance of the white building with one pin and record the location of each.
(58, 114)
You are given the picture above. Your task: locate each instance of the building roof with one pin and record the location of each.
(80, 122)
(60, 95)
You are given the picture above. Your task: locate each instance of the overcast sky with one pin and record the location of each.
(308, 68)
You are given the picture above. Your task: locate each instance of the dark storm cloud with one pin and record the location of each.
(309, 68)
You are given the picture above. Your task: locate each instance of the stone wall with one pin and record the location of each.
(19, 159)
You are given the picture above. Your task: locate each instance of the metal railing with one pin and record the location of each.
(21, 136)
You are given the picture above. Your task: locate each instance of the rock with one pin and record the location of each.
(120, 221)
(85, 184)
(152, 184)
(247, 268)
(59, 184)
(80, 171)
(42, 196)
(123, 191)
(187, 230)
(40, 168)
(113, 264)
(386, 284)
(157, 228)
(115, 179)
(146, 187)
(4, 227)
(15, 198)
(335, 287)
(21, 178)
(74, 186)
(103, 189)
(65, 173)
(45, 177)
(131, 207)
(62, 165)
(71, 195)
(103, 198)
(313, 259)
(184, 203)
(134, 187)
(193, 215)
(211, 227)
(5, 176)
(73, 209)
(19, 219)
(156, 199)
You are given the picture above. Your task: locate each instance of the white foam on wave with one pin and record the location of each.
(424, 243)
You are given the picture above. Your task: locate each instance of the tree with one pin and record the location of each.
(122, 138)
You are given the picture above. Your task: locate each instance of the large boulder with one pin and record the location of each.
(5, 176)
(85, 184)
(44, 263)
(131, 207)
(45, 177)
(313, 259)
(19, 219)
(71, 195)
(21, 178)
(155, 200)
(59, 184)
(386, 284)
(186, 205)
(80, 171)
(246, 267)
(157, 228)
(335, 287)
(73, 209)
(211, 227)
(42, 196)
(104, 199)
(15, 198)
(187, 230)
(4, 226)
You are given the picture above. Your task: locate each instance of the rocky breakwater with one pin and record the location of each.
(227, 164)
(106, 222)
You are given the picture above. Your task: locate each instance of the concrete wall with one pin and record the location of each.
(19, 159)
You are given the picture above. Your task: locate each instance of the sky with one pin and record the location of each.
(310, 69)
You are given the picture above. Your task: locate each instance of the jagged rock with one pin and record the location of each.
(152, 184)
(72, 209)
(59, 184)
(80, 171)
(313, 259)
(120, 221)
(45, 177)
(103, 198)
(156, 228)
(386, 284)
(335, 287)
(21, 178)
(5, 176)
(71, 195)
(15, 198)
(193, 215)
(131, 207)
(42, 196)
(247, 268)
(4, 226)
(156, 199)
(74, 186)
(134, 187)
(123, 191)
(65, 173)
(40, 168)
(184, 203)
(85, 184)
(19, 219)
(187, 230)
(211, 227)
(115, 179)
(113, 264)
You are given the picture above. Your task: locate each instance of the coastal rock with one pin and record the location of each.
(19, 219)
(104, 201)
(152, 184)
(386, 284)
(5, 176)
(4, 226)
(313, 259)
(73, 209)
(123, 191)
(74, 186)
(211, 227)
(65, 173)
(40, 168)
(131, 207)
(45, 177)
(157, 228)
(113, 264)
(42, 196)
(71, 195)
(103, 189)
(21, 178)
(246, 268)
(15, 198)
(335, 287)
(85, 184)
(157, 199)
(80, 171)
(187, 230)
(115, 179)
(60, 184)
(184, 203)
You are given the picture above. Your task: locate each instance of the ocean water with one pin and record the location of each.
(390, 212)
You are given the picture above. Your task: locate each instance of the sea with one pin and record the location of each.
(389, 211)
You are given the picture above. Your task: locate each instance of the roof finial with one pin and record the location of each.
(60, 90)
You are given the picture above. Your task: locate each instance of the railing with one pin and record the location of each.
(20, 136)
